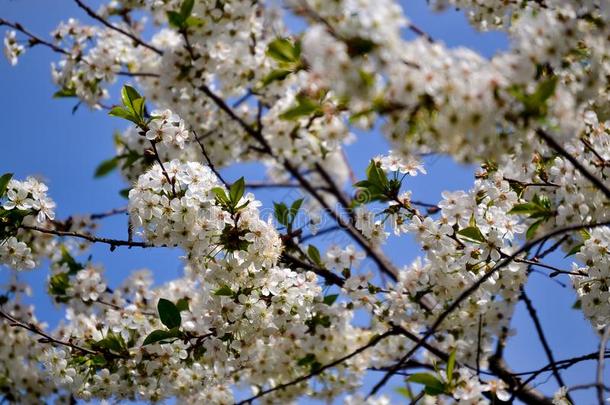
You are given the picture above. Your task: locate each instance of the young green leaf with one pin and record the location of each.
(305, 107)
(330, 299)
(182, 304)
(283, 51)
(314, 254)
(450, 366)
(121, 112)
(471, 234)
(161, 336)
(106, 167)
(64, 93)
(224, 291)
(4, 180)
(275, 75)
(281, 213)
(128, 96)
(433, 386)
(175, 19)
(294, 208)
(236, 191)
(186, 8)
(574, 250)
(531, 231)
(169, 314)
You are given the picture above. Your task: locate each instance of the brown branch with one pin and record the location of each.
(599, 184)
(112, 242)
(600, 365)
(46, 338)
(99, 18)
(543, 340)
(209, 161)
(327, 275)
(34, 40)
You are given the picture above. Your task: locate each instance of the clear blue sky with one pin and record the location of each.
(40, 136)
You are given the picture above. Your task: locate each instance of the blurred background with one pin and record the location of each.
(41, 136)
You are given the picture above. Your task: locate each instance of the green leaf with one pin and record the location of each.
(404, 391)
(307, 359)
(186, 8)
(305, 107)
(524, 209)
(330, 299)
(169, 314)
(574, 250)
(585, 235)
(450, 366)
(65, 92)
(125, 192)
(359, 46)
(472, 234)
(193, 21)
(67, 259)
(182, 304)
(221, 196)
(433, 385)
(281, 213)
(544, 91)
(376, 176)
(275, 75)
(4, 180)
(106, 167)
(224, 291)
(236, 191)
(175, 19)
(284, 51)
(121, 112)
(314, 254)
(128, 96)
(577, 305)
(294, 209)
(138, 107)
(531, 231)
(113, 342)
(161, 336)
(58, 286)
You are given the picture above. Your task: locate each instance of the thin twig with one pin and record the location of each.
(99, 18)
(543, 340)
(600, 365)
(34, 40)
(209, 161)
(46, 338)
(599, 184)
(112, 242)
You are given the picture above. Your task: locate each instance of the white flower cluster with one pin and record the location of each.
(12, 48)
(592, 281)
(176, 205)
(241, 324)
(168, 128)
(469, 238)
(25, 203)
(23, 380)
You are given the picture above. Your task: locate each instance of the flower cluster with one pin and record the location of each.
(228, 83)
(184, 204)
(12, 48)
(24, 204)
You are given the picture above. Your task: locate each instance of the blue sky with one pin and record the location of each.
(40, 136)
